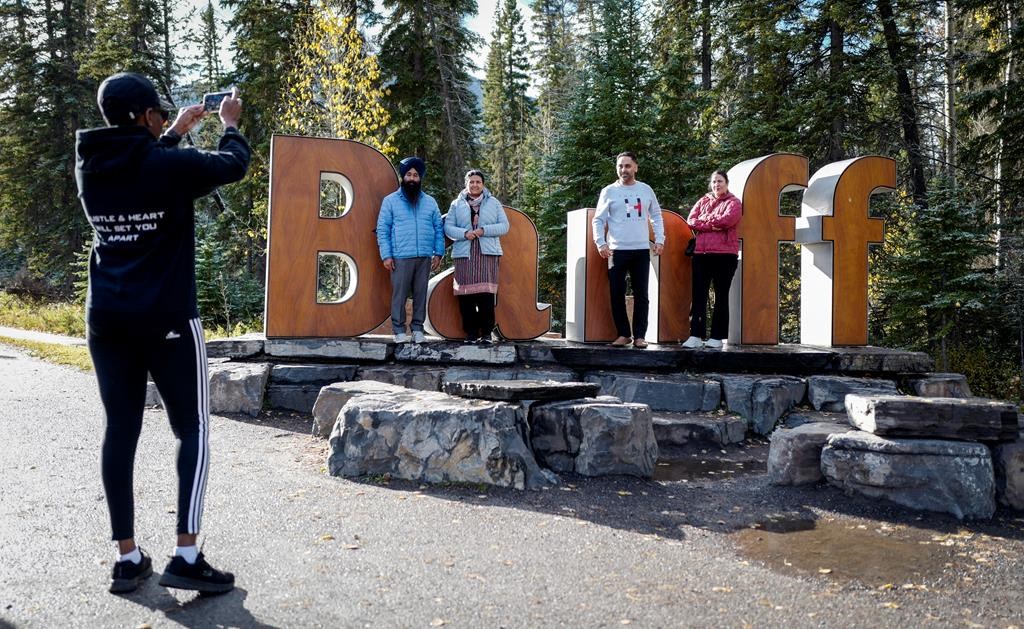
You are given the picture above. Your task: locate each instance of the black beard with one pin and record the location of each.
(411, 189)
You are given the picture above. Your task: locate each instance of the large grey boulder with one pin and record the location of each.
(794, 456)
(954, 477)
(594, 438)
(292, 397)
(799, 417)
(1009, 468)
(762, 400)
(432, 437)
(828, 393)
(679, 429)
(975, 419)
(519, 390)
(412, 377)
(333, 397)
(939, 385)
(238, 387)
(676, 394)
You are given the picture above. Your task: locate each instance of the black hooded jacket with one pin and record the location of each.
(138, 195)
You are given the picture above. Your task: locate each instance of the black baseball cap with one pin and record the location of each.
(124, 96)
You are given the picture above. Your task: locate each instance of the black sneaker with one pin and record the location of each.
(127, 574)
(199, 576)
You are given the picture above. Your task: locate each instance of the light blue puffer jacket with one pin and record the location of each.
(407, 230)
(459, 220)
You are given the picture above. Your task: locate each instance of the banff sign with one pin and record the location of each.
(834, 230)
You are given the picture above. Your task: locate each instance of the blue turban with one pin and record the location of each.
(412, 162)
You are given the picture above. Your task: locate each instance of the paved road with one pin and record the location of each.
(311, 550)
(42, 337)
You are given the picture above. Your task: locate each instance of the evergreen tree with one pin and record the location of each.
(334, 88)
(425, 53)
(507, 109)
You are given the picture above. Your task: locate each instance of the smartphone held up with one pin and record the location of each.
(212, 101)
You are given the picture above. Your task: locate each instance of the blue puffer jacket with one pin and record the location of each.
(459, 220)
(409, 230)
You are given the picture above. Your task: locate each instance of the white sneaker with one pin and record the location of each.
(692, 343)
(401, 337)
(418, 337)
(713, 344)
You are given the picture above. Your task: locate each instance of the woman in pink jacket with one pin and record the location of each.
(713, 219)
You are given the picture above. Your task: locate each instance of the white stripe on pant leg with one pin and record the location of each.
(202, 408)
(205, 424)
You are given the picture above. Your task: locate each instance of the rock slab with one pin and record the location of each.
(412, 377)
(954, 477)
(518, 390)
(455, 353)
(311, 374)
(679, 429)
(975, 419)
(794, 456)
(333, 397)
(238, 387)
(828, 393)
(432, 437)
(594, 438)
(674, 394)
(1009, 468)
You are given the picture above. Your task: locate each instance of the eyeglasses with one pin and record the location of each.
(164, 114)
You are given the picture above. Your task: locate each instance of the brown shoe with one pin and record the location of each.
(640, 343)
(622, 341)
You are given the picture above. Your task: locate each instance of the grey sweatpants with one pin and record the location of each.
(409, 274)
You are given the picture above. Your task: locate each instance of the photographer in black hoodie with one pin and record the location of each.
(137, 188)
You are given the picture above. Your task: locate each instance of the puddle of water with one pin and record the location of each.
(704, 467)
(846, 551)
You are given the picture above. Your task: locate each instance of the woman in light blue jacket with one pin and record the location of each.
(475, 221)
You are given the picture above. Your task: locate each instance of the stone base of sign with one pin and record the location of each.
(828, 393)
(937, 385)
(412, 377)
(761, 400)
(238, 387)
(333, 397)
(456, 353)
(1009, 468)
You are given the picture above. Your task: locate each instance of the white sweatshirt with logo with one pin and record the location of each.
(626, 212)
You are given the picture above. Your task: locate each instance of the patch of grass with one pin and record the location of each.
(71, 355)
(32, 314)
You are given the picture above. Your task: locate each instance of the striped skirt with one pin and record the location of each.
(476, 274)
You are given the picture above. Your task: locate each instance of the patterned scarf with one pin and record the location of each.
(474, 205)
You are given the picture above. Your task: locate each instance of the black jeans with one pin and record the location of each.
(636, 263)
(711, 269)
(477, 315)
(176, 358)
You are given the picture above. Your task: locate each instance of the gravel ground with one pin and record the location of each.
(309, 550)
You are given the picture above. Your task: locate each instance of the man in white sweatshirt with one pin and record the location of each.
(624, 209)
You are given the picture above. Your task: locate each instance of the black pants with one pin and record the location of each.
(176, 358)
(477, 315)
(711, 269)
(636, 263)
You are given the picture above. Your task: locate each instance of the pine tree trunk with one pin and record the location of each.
(705, 45)
(907, 107)
(836, 57)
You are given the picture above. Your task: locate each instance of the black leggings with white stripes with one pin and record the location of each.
(175, 356)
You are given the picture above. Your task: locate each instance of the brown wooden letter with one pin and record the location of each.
(754, 298)
(297, 235)
(518, 315)
(835, 232)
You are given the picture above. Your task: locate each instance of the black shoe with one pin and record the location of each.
(484, 341)
(199, 576)
(470, 341)
(127, 574)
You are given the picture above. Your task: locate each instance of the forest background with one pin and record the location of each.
(689, 85)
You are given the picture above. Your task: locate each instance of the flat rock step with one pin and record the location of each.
(672, 393)
(518, 390)
(972, 419)
(677, 429)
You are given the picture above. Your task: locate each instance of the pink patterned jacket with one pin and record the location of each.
(714, 220)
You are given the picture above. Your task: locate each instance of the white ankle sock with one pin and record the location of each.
(135, 556)
(189, 553)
